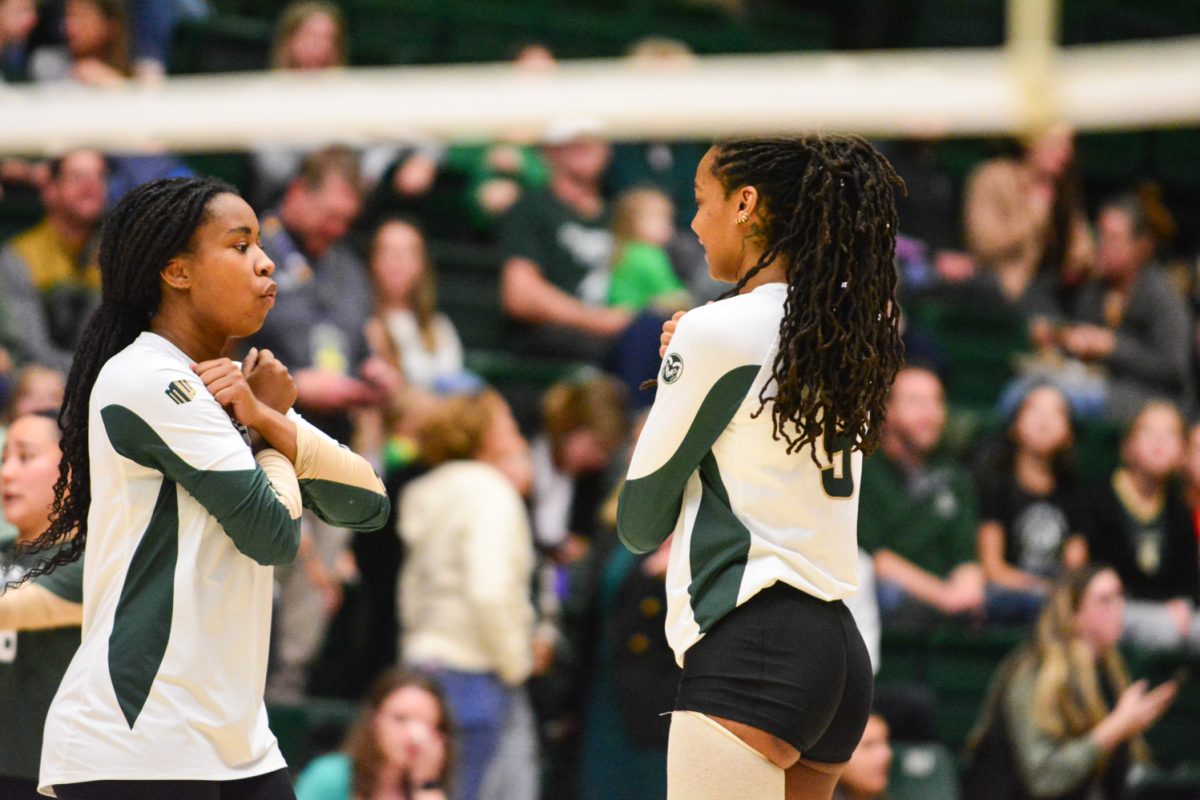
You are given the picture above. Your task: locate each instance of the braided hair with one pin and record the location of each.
(149, 226)
(830, 219)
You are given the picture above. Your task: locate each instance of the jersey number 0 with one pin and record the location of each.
(837, 479)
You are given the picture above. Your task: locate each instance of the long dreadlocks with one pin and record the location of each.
(830, 218)
(148, 227)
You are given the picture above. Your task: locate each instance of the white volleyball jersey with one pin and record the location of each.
(183, 530)
(745, 514)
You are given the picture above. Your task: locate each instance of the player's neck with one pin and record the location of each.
(184, 333)
(775, 273)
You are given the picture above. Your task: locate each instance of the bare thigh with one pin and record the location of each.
(771, 747)
(811, 780)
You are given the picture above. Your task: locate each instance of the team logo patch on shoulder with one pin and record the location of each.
(180, 392)
(672, 368)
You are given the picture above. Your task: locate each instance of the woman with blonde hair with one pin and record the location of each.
(1063, 719)
(466, 616)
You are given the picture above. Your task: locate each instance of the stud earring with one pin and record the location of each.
(743, 218)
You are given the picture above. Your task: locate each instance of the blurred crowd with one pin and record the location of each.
(532, 646)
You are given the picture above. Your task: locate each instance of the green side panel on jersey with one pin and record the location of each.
(242, 501)
(142, 622)
(720, 547)
(66, 581)
(649, 506)
(345, 506)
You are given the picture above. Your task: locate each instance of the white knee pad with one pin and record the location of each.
(707, 762)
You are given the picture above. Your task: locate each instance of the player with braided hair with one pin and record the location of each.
(181, 484)
(767, 400)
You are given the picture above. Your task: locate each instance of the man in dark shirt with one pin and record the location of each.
(557, 249)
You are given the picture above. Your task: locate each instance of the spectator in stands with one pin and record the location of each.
(585, 423)
(1191, 475)
(1139, 523)
(32, 662)
(154, 23)
(557, 250)
(929, 250)
(918, 516)
(866, 776)
(420, 340)
(34, 389)
(18, 18)
(310, 35)
(324, 296)
(1022, 216)
(399, 747)
(629, 675)
(642, 275)
(1027, 504)
(97, 51)
(1131, 320)
(496, 174)
(669, 166)
(1062, 719)
(48, 274)
(463, 598)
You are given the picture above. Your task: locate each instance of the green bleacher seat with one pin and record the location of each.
(926, 771)
(305, 730)
(222, 44)
(979, 336)
(1097, 447)
(1112, 162)
(1176, 158)
(18, 210)
(233, 168)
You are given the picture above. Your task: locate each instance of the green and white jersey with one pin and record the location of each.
(745, 513)
(183, 530)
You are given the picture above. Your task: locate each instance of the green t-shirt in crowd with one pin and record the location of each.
(32, 664)
(641, 274)
(572, 252)
(929, 518)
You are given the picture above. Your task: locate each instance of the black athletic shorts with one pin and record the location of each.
(788, 664)
(272, 786)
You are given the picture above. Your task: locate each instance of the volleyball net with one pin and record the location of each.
(903, 94)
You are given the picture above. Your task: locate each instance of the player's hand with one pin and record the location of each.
(269, 379)
(231, 389)
(668, 332)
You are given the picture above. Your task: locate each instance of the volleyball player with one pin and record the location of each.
(181, 484)
(751, 457)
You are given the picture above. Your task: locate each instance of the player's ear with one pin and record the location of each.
(177, 274)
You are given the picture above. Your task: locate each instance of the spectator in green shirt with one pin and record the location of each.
(642, 274)
(918, 515)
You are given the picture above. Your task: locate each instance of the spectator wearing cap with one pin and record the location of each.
(557, 248)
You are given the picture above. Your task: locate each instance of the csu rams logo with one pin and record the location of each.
(672, 368)
(180, 392)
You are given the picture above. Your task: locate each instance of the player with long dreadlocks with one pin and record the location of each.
(751, 457)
